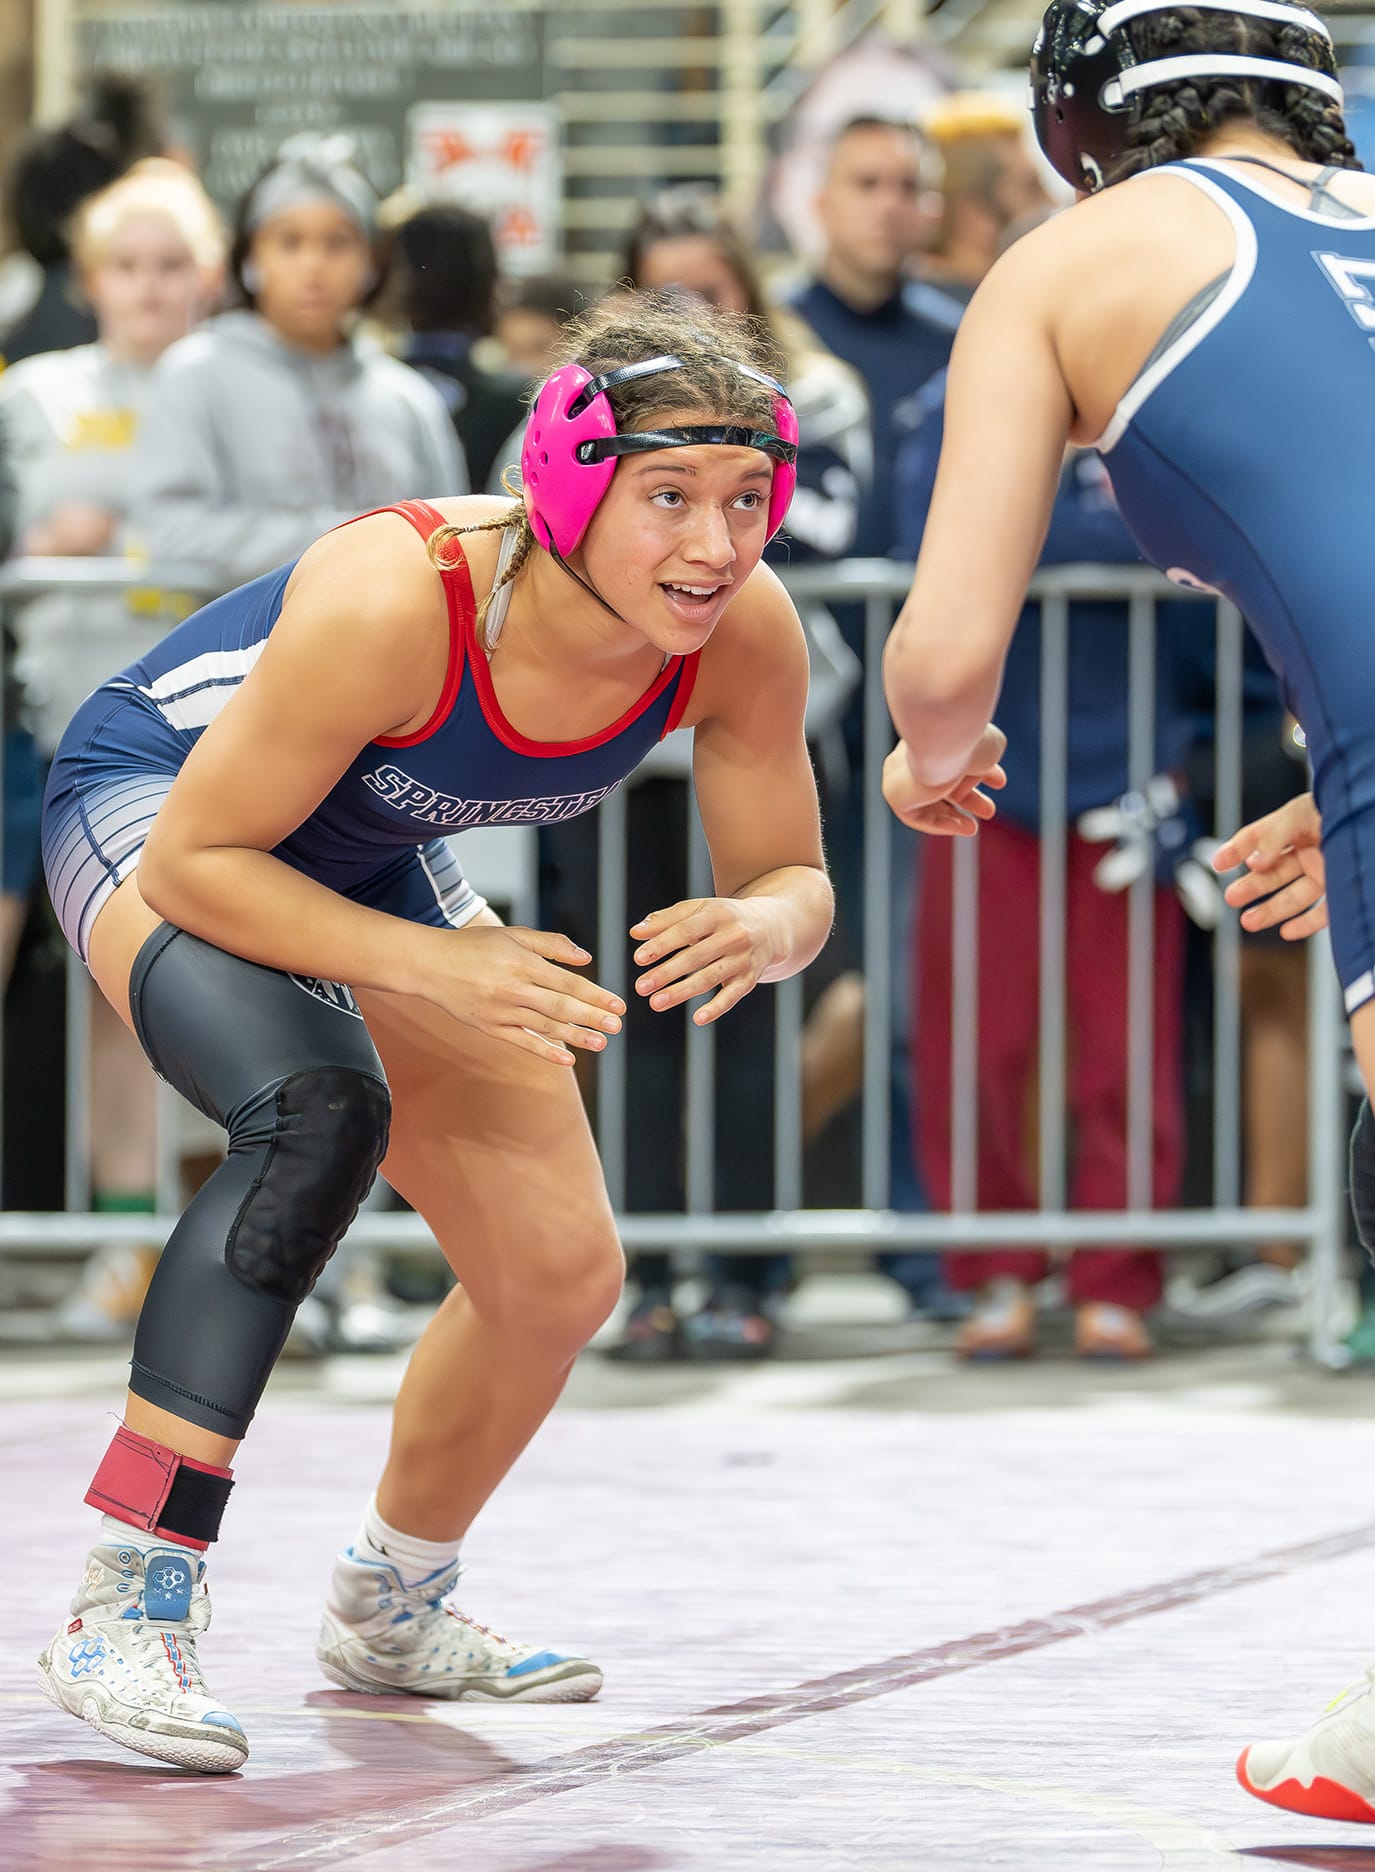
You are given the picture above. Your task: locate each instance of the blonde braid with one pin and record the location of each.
(525, 540)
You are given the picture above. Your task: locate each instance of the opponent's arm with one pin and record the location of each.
(355, 654)
(1008, 415)
(757, 799)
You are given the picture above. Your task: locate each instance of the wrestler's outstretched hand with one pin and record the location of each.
(956, 812)
(1285, 879)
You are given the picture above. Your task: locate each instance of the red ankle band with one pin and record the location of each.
(160, 1490)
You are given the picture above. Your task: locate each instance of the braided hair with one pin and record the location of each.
(1174, 119)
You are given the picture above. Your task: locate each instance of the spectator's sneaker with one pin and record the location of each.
(1002, 1325)
(651, 1335)
(1329, 1772)
(1110, 1334)
(125, 1662)
(732, 1325)
(384, 1637)
(103, 1308)
(1360, 1341)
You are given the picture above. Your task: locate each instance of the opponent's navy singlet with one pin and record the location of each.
(1240, 462)
(378, 835)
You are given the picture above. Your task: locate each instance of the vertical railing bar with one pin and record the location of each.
(1054, 869)
(77, 1145)
(875, 1163)
(787, 1094)
(1227, 936)
(964, 1026)
(612, 971)
(1141, 911)
(701, 1049)
(167, 1149)
(1326, 1150)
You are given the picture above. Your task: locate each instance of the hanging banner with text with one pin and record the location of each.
(239, 79)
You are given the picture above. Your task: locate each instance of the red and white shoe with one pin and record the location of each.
(1329, 1772)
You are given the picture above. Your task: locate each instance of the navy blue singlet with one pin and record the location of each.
(1238, 461)
(379, 835)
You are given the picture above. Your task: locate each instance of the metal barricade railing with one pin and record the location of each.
(878, 586)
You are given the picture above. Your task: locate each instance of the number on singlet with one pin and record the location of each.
(1354, 281)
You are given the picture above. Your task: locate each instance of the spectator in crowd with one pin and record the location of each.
(1273, 991)
(149, 253)
(683, 242)
(990, 182)
(21, 856)
(441, 287)
(867, 303)
(530, 319)
(1111, 1289)
(277, 421)
(52, 172)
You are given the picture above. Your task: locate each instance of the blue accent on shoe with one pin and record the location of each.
(167, 1582)
(133, 1611)
(540, 1661)
(221, 1719)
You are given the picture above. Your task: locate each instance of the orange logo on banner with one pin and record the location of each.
(517, 228)
(520, 148)
(447, 147)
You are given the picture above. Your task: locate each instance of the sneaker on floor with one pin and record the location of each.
(1002, 1324)
(125, 1662)
(732, 1325)
(1360, 1341)
(1112, 1334)
(1329, 1772)
(651, 1335)
(384, 1637)
(103, 1307)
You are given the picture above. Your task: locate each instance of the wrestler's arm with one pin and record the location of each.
(757, 798)
(1008, 415)
(358, 652)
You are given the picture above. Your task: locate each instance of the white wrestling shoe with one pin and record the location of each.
(1329, 1772)
(381, 1636)
(125, 1662)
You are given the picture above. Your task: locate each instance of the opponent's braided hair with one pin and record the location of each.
(1175, 118)
(627, 328)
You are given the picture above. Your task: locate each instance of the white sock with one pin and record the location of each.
(117, 1533)
(413, 1558)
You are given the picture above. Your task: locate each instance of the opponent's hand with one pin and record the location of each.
(507, 983)
(1286, 880)
(955, 812)
(705, 943)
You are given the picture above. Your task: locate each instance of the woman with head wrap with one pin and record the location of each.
(278, 421)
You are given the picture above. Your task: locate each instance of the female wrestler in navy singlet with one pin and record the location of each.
(244, 837)
(1208, 325)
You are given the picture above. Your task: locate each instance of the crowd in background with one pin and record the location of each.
(209, 399)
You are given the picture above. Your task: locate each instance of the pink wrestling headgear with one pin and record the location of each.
(571, 447)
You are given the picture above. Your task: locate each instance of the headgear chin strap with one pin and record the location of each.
(572, 445)
(1087, 82)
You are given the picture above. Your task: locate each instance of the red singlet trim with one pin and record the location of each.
(684, 695)
(551, 750)
(458, 591)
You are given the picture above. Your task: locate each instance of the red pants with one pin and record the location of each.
(1096, 1018)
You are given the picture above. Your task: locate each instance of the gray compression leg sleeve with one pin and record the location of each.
(287, 1066)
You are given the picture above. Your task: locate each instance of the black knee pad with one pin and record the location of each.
(290, 1071)
(1361, 1162)
(328, 1134)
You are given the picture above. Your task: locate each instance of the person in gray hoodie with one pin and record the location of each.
(277, 421)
